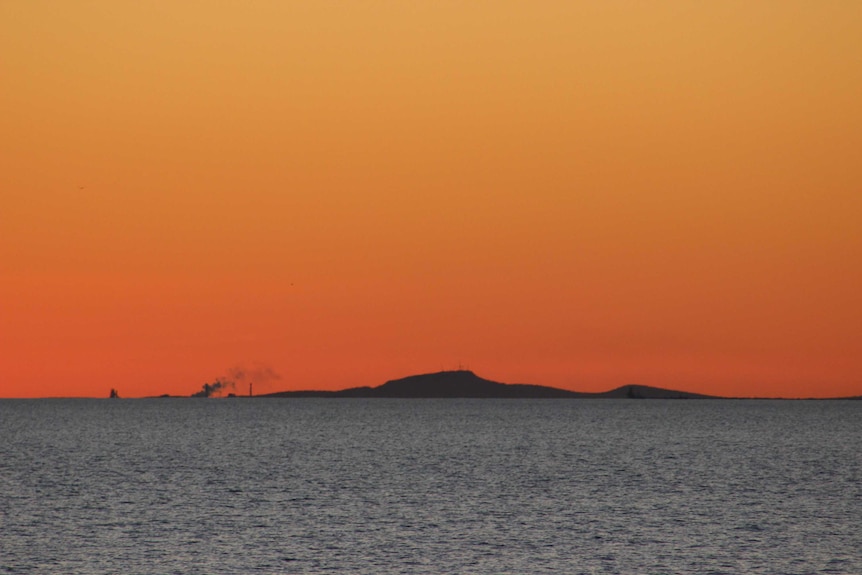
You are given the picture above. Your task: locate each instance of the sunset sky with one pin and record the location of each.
(575, 194)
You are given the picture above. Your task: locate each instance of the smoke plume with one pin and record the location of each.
(243, 376)
(258, 374)
(214, 388)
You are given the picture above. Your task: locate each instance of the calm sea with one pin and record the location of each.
(375, 486)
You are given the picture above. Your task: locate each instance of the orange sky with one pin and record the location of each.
(576, 194)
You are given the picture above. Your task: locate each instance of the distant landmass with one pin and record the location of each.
(464, 383)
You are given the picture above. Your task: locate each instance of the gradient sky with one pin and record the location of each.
(576, 194)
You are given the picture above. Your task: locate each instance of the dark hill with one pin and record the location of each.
(647, 392)
(463, 383)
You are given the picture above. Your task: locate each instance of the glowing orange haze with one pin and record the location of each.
(576, 194)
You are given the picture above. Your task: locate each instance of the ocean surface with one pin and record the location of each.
(455, 486)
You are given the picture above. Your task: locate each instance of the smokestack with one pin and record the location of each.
(249, 390)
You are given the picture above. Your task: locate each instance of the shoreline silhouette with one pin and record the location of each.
(466, 384)
(462, 383)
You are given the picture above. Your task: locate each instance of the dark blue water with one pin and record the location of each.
(430, 486)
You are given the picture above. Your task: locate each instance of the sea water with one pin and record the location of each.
(460, 486)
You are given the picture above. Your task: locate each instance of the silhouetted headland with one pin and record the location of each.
(463, 383)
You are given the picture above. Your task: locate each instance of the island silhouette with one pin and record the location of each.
(466, 384)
